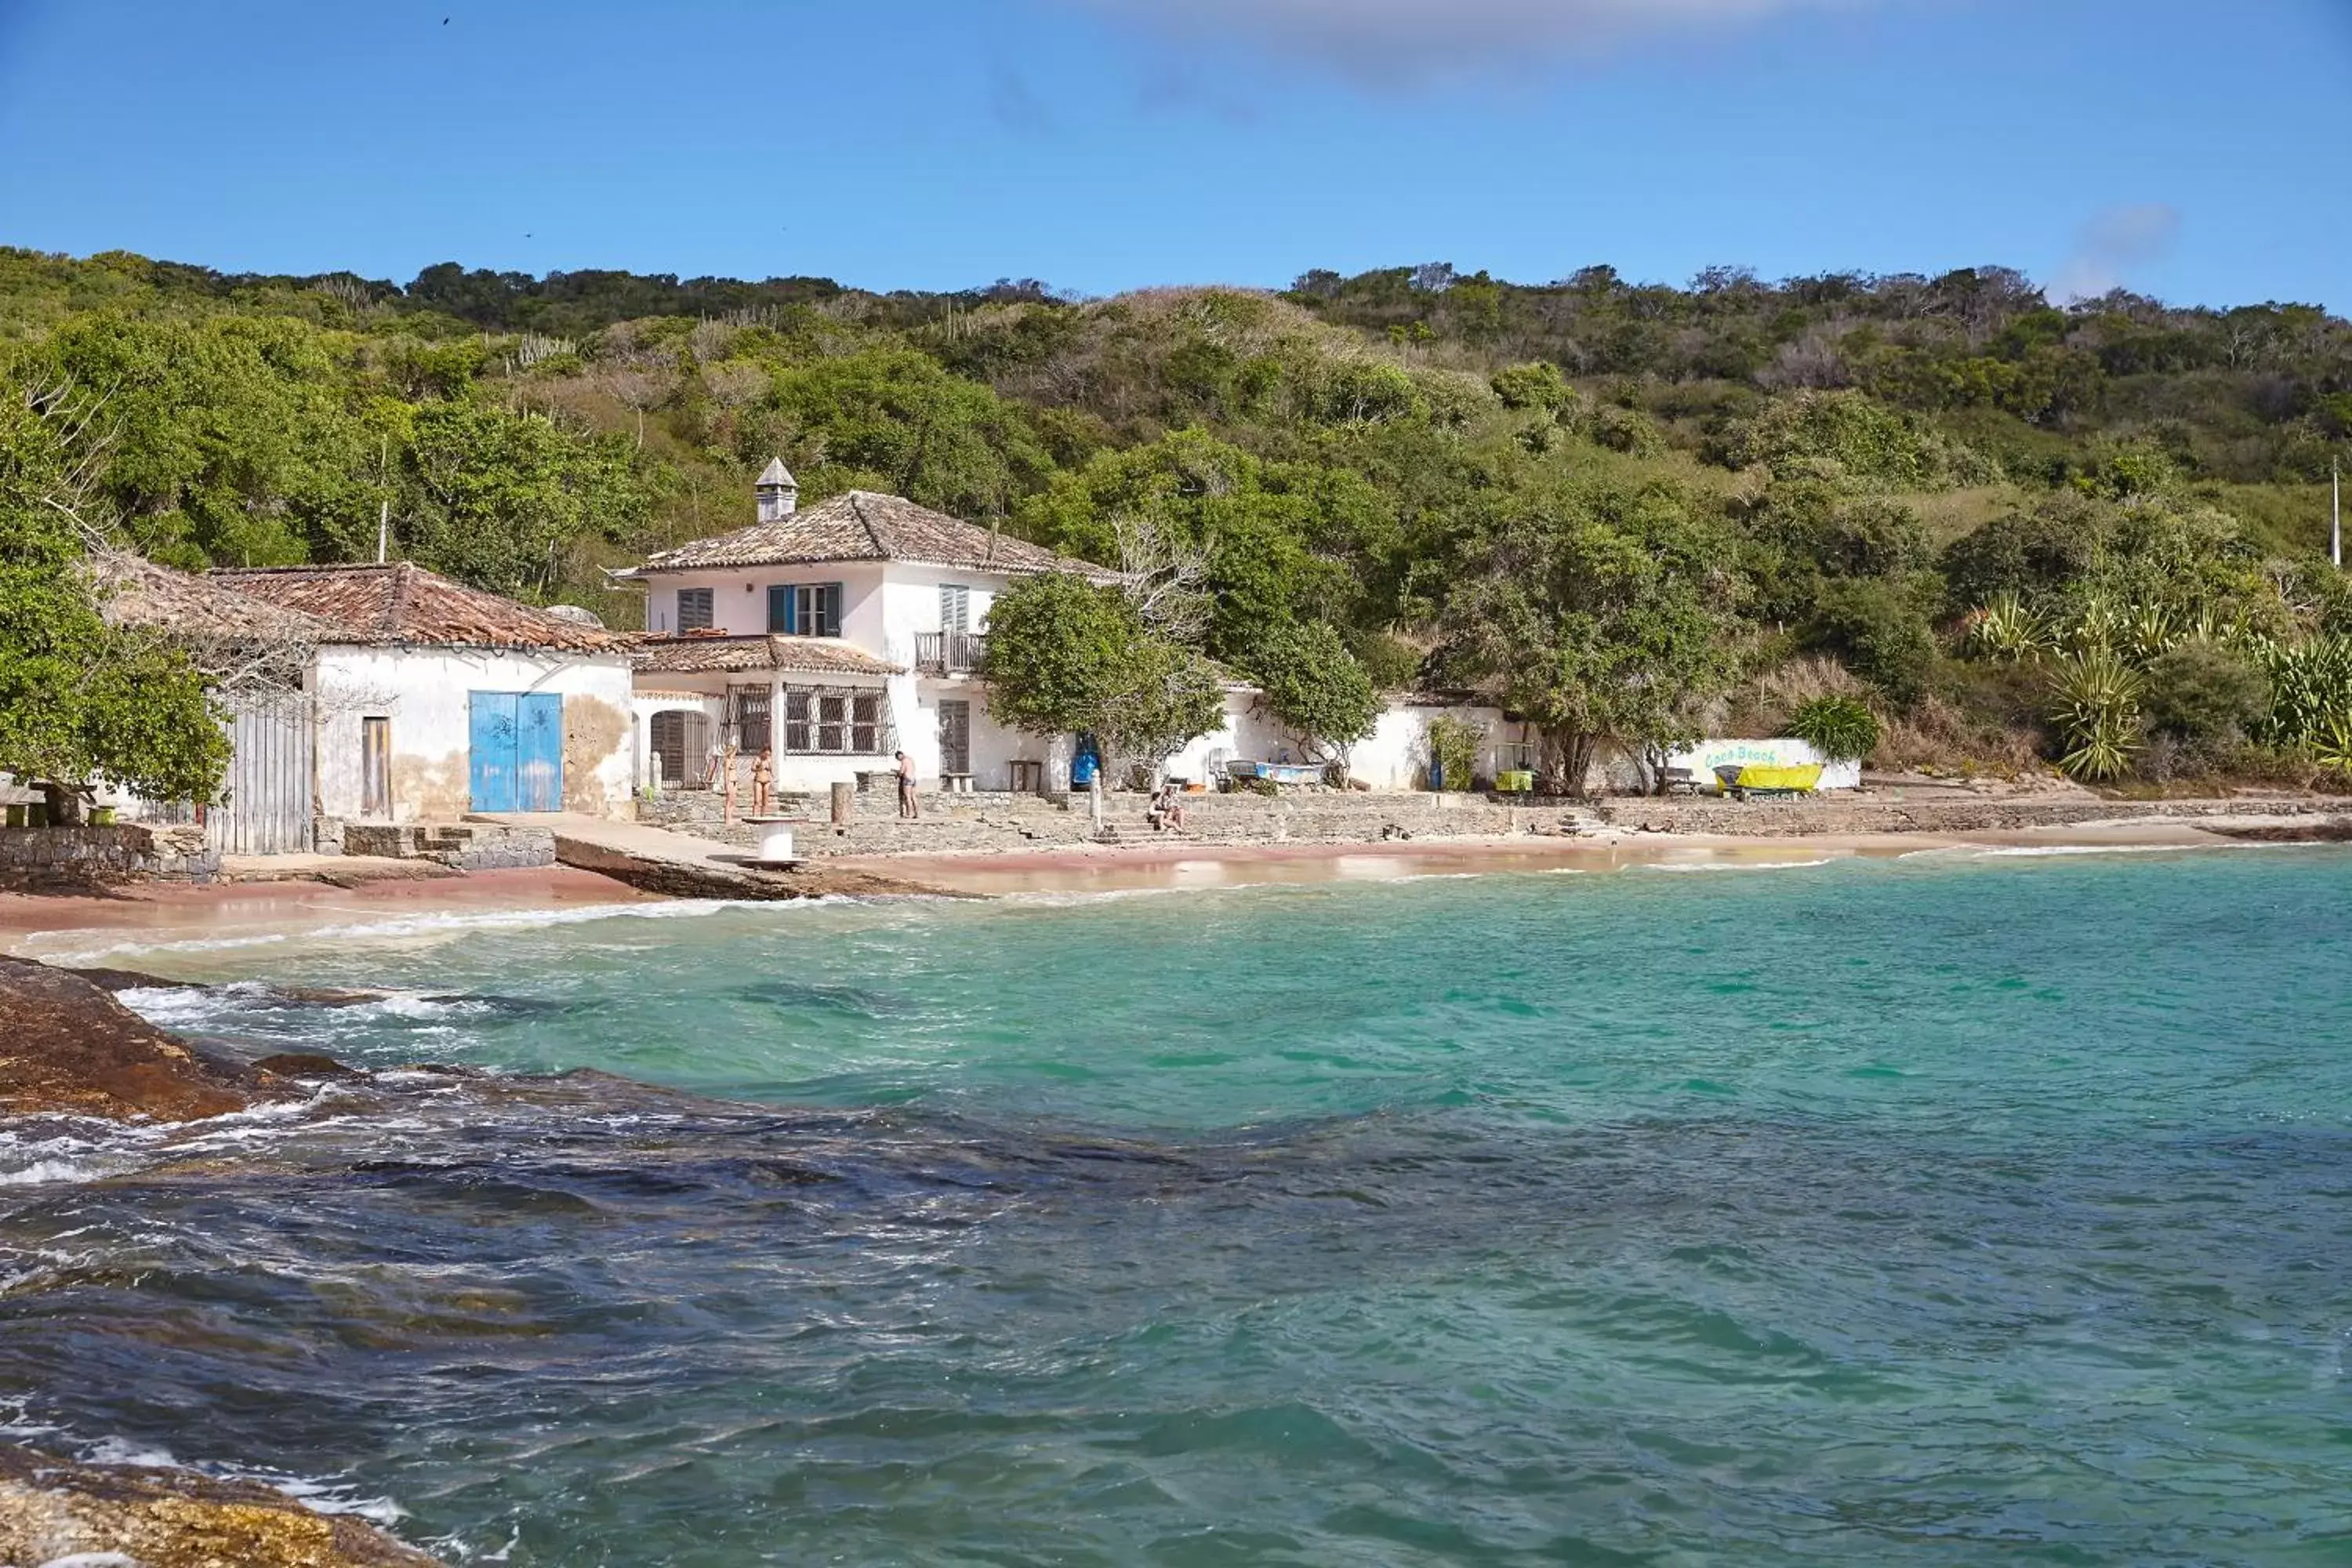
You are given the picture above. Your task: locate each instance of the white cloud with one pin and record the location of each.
(2115, 242)
(1394, 42)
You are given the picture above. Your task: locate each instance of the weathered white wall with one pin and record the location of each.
(1396, 755)
(739, 598)
(423, 690)
(911, 604)
(1782, 751)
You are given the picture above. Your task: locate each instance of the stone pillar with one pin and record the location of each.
(845, 803)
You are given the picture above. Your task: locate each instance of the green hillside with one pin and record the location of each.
(1728, 498)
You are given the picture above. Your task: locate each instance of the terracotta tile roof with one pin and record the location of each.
(135, 592)
(862, 526)
(403, 602)
(655, 654)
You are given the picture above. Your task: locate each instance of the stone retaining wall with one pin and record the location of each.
(1762, 818)
(468, 847)
(964, 823)
(40, 858)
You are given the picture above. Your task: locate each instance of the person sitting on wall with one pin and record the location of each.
(1166, 812)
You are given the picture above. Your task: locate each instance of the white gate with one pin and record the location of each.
(265, 801)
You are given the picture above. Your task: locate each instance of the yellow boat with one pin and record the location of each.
(1760, 778)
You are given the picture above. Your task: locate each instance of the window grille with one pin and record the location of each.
(837, 721)
(748, 710)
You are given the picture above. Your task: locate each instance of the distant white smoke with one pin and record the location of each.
(1394, 42)
(2113, 244)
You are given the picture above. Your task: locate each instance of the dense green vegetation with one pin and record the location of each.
(81, 700)
(2015, 530)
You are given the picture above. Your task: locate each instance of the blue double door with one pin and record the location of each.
(515, 750)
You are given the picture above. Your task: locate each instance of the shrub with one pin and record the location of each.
(1536, 386)
(2025, 553)
(1880, 632)
(1627, 430)
(1840, 728)
(2204, 692)
(1850, 433)
(1454, 750)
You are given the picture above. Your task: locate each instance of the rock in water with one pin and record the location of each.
(67, 1048)
(52, 1509)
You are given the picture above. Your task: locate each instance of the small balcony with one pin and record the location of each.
(949, 653)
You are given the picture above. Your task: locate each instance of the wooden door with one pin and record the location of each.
(955, 737)
(376, 767)
(266, 802)
(539, 770)
(492, 720)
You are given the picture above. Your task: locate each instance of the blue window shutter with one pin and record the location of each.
(780, 609)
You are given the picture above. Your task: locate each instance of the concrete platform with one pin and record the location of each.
(685, 865)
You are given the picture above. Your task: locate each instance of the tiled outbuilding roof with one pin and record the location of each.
(403, 602)
(136, 592)
(862, 526)
(709, 655)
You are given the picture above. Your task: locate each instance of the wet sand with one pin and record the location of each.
(1174, 864)
(81, 929)
(126, 929)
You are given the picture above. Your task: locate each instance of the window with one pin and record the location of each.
(833, 721)
(748, 708)
(955, 608)
(694, 609)
(805, 609)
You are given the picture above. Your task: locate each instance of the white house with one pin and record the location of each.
(837, 637)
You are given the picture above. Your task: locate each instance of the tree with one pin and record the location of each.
(507, 500)
(1067, 656)
(80, 700)
(1316, 689)
(1595, 616)
(1282, 541)
(893, 419)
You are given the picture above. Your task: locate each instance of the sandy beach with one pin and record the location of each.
(176, 923)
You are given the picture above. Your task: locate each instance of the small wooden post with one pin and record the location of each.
(844, 802)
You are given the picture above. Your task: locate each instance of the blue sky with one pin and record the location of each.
(2185, 149)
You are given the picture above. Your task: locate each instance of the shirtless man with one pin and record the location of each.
(908, 810)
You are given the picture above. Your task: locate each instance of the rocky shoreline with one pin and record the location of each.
(54, 1511)
(67, 1048)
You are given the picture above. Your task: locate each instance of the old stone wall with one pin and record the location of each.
(468, 847)
(36, 859)
(1862, 814)
(988, 821)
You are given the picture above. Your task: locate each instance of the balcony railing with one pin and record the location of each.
(949, 653)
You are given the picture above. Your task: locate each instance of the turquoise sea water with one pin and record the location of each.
(1948, 1210)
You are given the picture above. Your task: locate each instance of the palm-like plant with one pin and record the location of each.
(2331, 744)
(2096, 625)
(1840, 728)
(2005, 629)
(2095, 704)
(2147, 630)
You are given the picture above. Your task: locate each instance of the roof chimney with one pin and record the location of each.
(778, 491)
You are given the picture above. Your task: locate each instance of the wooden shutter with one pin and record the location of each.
(780, 609)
